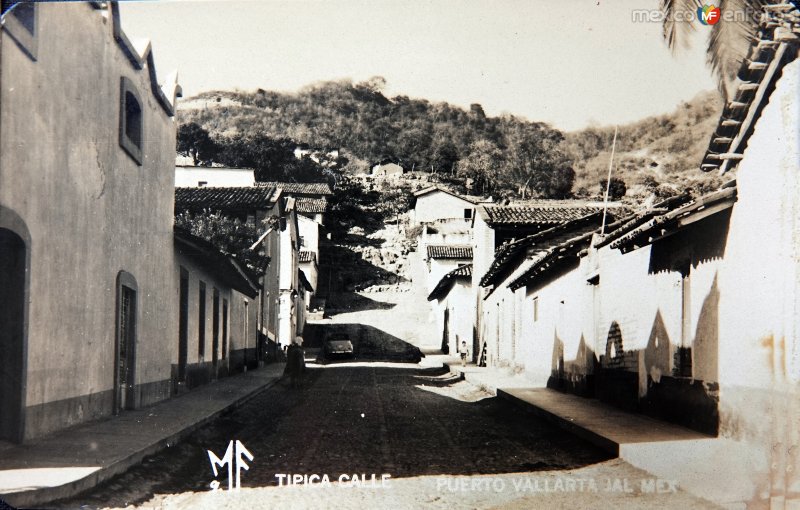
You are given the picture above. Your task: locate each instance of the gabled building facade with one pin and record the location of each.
(438, 204)
(83, 317)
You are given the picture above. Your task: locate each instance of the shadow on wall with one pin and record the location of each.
(573, 376)
(666, 381)
(670, 379)
(369, 343)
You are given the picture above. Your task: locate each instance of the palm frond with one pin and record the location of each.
(730, 39)
(677, 26)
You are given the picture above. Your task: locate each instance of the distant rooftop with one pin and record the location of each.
(299, 188)
(452, 251)
(225, 199)
(311, 205)
(307, 256)
(545, 212)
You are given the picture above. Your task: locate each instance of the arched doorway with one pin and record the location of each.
(13, 262)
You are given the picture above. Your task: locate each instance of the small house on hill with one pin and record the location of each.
(387, 169)
(436, 203)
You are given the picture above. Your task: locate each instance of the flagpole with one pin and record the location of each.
(608, 182)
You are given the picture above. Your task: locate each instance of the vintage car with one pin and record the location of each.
(338, 344)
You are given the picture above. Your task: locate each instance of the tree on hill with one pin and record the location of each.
(616, 188)
(482, 165)
(194, 141)
(272, 159)
(537, 163)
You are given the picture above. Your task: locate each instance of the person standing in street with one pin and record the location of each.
(464, 353)
(295, 363)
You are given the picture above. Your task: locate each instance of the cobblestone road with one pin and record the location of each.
(346, 419)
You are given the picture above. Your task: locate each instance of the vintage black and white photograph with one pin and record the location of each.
(400, 254)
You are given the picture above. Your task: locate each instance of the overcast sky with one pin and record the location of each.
(569, 63)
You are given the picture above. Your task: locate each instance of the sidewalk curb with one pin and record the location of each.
(598, 440)
(37, 497)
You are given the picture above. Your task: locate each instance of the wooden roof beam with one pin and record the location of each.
(751, 113)
(785, 35)
(784, 7)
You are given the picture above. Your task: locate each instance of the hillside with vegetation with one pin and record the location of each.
(505, 156)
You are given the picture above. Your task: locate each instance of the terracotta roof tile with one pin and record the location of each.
(535, 214)
(446, 283)
(775, 44)
(311, 205)
(226, 199)
(299, 188)
(451, 251)
(307, 256)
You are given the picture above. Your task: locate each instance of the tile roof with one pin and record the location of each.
(307, 256)
(498, 215)
(300, 188)
(570, 250)
(676, 218)
(508, 256)
(446, 283)
(311, 205)
(774, 45)
(224, 199)
(635, 220)
(449, 251)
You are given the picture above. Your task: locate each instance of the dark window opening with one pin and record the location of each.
(133, 120)
(215, 326)
(183, 325)
(201, 322)
(131, 130)
(224, 328)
